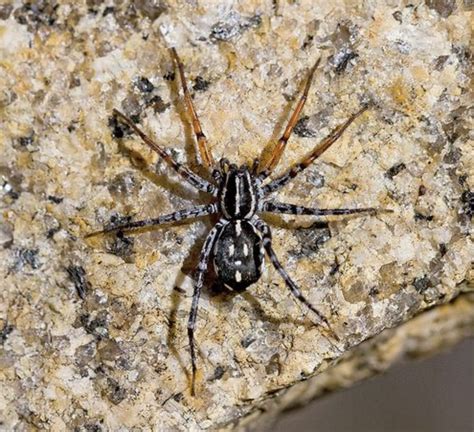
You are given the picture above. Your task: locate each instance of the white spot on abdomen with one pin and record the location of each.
(246, 250)
(238, 276)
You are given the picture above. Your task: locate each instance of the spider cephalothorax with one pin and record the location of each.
(238, 242)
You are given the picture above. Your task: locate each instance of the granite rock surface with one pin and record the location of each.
(93, 331)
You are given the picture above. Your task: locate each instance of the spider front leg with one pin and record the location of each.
(206, 155)
(202, 267)
(280, 147)
(335, 134)
(267, 244)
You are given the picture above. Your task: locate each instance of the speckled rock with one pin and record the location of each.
(93, 331)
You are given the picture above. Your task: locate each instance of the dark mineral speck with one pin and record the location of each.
(5, 331)
(341, 61)
(97, 326)
(55, 199)
(37, 14)
(144, 85)
(395, 170)
(158, 105)
(218, 373)
(108, 10)
(467, 200)
(443, 249)
(200, 84)
(92, 427)
(121, 246)
(77, 275)
(114, 392)
(151, 9)
(421, 284)
(25, 141)
(397, 16)
(169, 76)
(343, 42)
(440, 62)
(301, 128)
(5, 11)
(311, 239)
(119, 129)
(26, 257)
(233, 26)
(453, 156)
(273, 366)
(423, 217)
(444, 7)
(247, 341)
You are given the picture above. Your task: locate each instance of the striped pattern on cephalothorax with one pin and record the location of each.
(238, 196)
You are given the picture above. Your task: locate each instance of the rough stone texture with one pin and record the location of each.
(93, 332)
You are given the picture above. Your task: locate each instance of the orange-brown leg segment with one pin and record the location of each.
(204, 151)
(318, 151)
(280, 147)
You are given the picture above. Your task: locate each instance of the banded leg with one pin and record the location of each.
(283, 208)
(202, 267)
(318, 151)
(206, 155)
(179, 215)
(280, 147)
(267, 244)
(192, 178)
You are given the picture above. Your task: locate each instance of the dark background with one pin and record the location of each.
(431, 395)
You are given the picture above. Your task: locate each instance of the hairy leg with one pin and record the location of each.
(202, 267)
(179, 215)
(282, 180)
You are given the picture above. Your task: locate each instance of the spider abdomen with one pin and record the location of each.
(238, 255)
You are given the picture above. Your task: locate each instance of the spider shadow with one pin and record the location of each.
(175, 187)
(276, 220)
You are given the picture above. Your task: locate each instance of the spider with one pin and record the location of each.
(239, 240)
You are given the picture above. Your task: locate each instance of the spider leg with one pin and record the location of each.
(284, 208)
(202, 267)
(267, 244)
(280, 147)
(192, 178)
(206, 155)
(179, 215)
(335, 134)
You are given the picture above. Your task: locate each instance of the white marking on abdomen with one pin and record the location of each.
(238, 276)
(246, 250)
(231, 250)
(238, 228)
